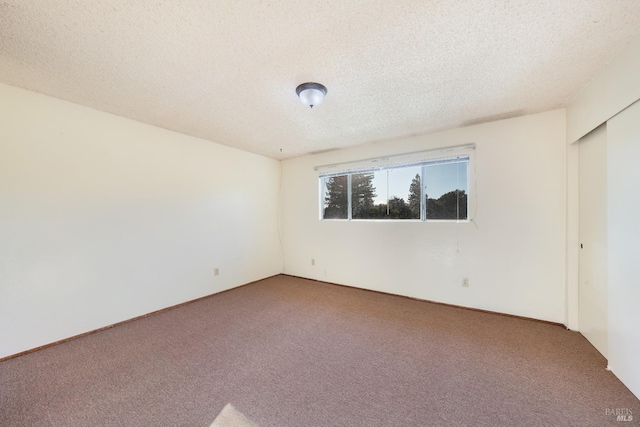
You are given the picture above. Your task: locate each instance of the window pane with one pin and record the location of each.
(363, 194)
(396, 194)
(447, 189)
(335, 197)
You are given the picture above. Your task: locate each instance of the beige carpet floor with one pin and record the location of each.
(289, 352)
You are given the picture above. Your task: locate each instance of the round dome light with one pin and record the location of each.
(311, 93)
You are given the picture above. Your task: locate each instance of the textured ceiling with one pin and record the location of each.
(227, 71)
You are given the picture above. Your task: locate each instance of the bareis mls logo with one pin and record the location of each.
(621, 414)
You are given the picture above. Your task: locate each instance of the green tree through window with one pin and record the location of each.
(444, 180)
(451, 205)
(362, 195)
(415, 191)
(336, 201)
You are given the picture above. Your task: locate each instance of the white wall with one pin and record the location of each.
(623, 188)
(514, 258)
(103, 219)
(614, 88)
(573, 238)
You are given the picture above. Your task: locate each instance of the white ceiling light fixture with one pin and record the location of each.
(311, 93)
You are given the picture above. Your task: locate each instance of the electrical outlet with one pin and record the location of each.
(313, 261)
(216, 271)
(465, 282)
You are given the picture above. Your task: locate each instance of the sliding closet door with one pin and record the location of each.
(623, 199)
(593, 238)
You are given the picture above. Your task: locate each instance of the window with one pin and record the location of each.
(433, 189)
(335, 195)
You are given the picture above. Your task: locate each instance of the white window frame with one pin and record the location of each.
(454, 154)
